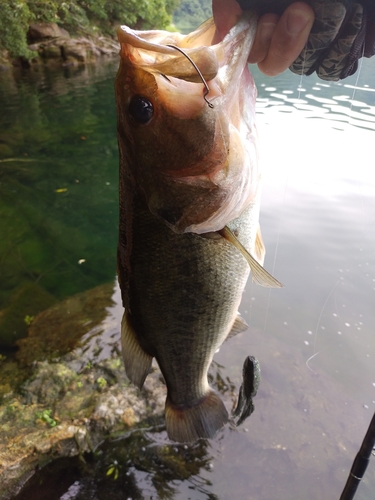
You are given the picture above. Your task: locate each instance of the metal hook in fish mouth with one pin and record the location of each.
(207, 88)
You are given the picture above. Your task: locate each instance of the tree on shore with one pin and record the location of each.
(191, 13)
(78, 16)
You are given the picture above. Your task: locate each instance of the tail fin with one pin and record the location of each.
(202, 420)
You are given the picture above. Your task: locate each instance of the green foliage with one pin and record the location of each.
(78, 15)
(141, 14)
(46, 417)
(191, 13)
(14, 21)
(113, 470)
(101, 382)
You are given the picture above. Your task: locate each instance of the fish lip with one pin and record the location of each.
(124, 34)
(227, 54)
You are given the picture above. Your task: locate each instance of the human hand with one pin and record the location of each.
(342, 33)
(279, 39)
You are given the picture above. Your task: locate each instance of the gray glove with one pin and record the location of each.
(343, 32)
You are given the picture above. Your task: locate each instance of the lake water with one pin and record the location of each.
(314, 339)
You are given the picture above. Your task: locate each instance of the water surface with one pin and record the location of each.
(314, 338)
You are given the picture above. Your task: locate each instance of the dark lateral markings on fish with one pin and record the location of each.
(189, 210)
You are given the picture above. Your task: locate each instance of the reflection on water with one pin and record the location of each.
(317, 219)
(314, 339)
(58, 190)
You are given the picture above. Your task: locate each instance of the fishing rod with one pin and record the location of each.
(360, 463)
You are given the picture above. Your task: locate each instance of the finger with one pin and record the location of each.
(289, 38)
(263, 37)
(226, 14)
(329, 22)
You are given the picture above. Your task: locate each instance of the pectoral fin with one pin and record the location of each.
(259, 274)
(137, 362)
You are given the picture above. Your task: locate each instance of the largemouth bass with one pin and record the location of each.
(189, 184)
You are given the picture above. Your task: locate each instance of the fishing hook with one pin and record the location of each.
(207, 88)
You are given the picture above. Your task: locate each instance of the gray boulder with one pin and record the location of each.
(44, 31)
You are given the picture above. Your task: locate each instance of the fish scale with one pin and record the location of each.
(183, 297)
(189, 210)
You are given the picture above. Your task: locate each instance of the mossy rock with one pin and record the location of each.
(50, 52)
(26, 301)
(49, 382)
(59, 329)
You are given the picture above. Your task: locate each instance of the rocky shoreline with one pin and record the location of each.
(75, 399)
(54, 46)
(71, 403)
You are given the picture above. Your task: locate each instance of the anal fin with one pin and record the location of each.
(137, 362)
(238, 326)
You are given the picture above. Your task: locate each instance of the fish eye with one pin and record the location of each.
(141, 109)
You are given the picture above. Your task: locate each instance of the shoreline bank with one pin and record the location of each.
(54, 46)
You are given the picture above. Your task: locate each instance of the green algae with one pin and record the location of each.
(58, 187)
(25, 302)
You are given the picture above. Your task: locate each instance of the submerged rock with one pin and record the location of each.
(73, 402)
(61, 328)
(26, 301)
(5, 150)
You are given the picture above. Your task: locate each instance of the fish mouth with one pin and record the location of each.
(211, 177)
(194, 56)
(170, 54)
